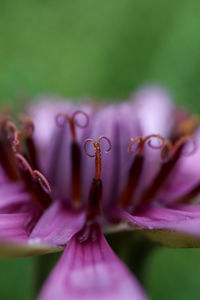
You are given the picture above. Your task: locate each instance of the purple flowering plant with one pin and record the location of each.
(71, 173)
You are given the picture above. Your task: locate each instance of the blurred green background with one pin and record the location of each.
(102, 49)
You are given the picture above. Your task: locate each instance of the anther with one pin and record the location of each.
(96, 185)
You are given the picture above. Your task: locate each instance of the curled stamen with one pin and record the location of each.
(159, 137)
(140, 143)
(35, 174)
(80, 112)
(27, 126)
(23, 163)
(137, 140)
(85, 147)
(109, 143)
(96, 145)
(62, 119)
(169, 150)
(97, 154)
(42, 180)
(182, 141)
(12, 134)
(166, 151)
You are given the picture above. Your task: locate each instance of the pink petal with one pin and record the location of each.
(178, 227)
(91, 271)
(156, 114)
(57, 225)
(118, 123)
(155, 110)
(14, 226)
(54, 142)
(14, 237)
(13, 198)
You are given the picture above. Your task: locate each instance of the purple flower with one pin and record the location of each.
(128, 166)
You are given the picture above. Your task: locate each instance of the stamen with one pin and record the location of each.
(28, 125)
(8, 144)
(96, 186)
(185, 124)
(97, 154)
(169, 150)
(170, 155)
(135, 171)
(188, 196)
(42, 180)
(12, 131)
(141, 143)
(62, 119)
(28, 130)
(40, 192)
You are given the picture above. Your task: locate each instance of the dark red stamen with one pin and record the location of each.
(96, 186)
(135, 171)
(8, 138)
(170, 155)
(35, 182)
(27, 130)
(189, 196)
(76, 174)
(61, 120)
(185, 124)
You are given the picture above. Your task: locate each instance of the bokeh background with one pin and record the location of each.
(102, 49)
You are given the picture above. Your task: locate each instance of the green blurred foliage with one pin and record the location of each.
(99, 48)
(102, 49)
